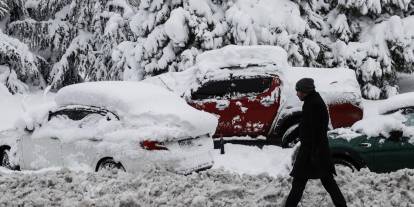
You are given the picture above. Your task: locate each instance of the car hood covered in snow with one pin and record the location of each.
(376, 107)
(141, 102)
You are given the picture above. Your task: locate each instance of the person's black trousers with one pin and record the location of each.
(328, 182)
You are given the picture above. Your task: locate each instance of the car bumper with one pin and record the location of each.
(178, 158)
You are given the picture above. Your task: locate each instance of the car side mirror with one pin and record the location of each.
(396, 135)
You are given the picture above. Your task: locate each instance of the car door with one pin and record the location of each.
(82, 152)
(40, 149)
(396, 152)
(365, 148)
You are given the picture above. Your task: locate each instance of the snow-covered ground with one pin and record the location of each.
(208, 188)
(243, 176)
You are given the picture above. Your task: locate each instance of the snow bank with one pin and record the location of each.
(209, 188)
(234, 55)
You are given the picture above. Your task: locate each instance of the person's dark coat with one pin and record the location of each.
(314, 158)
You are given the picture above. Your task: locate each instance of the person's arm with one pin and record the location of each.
(307, 119)
(315, 128)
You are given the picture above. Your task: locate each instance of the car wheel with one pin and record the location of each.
(4, 159)
(344, 165)
(109, 164)
(291, 136)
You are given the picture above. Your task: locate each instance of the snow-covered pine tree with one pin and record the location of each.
(77, 40)
(370, 37)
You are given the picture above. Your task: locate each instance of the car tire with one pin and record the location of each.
(4, 159)
(109, 164)
(350, 166)
(291, 136)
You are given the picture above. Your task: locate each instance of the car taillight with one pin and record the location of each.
(153, 145)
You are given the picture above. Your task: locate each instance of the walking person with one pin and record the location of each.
(313, 160)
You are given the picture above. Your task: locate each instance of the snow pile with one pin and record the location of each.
(209, 188)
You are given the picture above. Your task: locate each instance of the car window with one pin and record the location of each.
(77, 114)
(250, 85)
(70, 113)
(212, 89)
(232, 88)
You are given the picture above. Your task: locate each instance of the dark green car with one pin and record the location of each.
(379, 154)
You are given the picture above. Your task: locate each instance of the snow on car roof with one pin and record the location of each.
(191, 79)
(120, 96)
(136, 99)
(235, 55)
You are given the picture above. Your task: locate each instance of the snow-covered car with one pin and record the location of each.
(125, 125)
(251, 90)
(383, 141)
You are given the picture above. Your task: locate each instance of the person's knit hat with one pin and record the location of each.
(305, 85)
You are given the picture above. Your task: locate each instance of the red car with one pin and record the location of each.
(259, 99)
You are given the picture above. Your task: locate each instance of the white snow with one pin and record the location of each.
(387, 105)
(380, 125)
(137, 100)
(176, 28)
(336, 85)
(210, 188)
(242, 159)
(244, 175)
(375, 126)
(234, 55)
(12, 107)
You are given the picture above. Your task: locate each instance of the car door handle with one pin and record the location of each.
(54, 138)
(366, 145)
